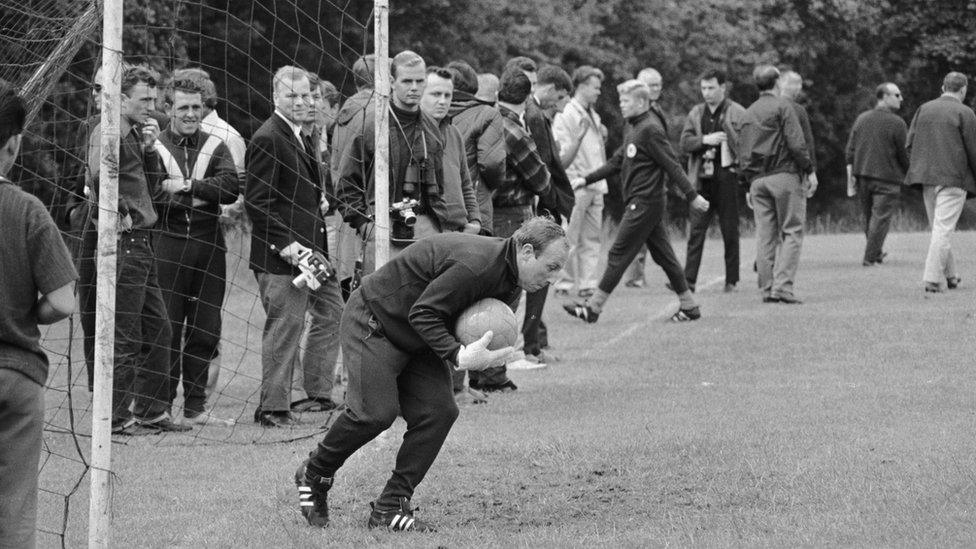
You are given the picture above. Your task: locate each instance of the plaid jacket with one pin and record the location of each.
(525, 173)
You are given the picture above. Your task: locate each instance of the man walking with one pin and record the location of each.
(710, 138)
(876, 166)
(942, 151)
(644, 161)
(775, 158)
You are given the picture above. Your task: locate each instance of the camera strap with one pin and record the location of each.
(423, 135)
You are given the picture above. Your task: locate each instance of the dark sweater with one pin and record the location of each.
(419, 294)
(876, 147)
(645, 161)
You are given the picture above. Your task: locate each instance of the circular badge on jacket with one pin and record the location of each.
(631, 150)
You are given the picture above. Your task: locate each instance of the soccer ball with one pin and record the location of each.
(488, 314)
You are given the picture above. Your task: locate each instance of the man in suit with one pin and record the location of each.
(942, 158)
(876, 165)
(283, 198)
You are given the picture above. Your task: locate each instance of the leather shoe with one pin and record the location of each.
(275, 419)
(790, 300)
(770, 299)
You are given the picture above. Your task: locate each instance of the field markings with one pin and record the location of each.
(665, 312)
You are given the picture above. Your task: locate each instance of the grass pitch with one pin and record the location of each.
(848, 420)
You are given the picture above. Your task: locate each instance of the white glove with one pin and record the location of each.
(476, 356)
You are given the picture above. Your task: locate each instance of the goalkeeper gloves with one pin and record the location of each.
(476, 356)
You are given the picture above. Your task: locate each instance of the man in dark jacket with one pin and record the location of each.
(876, 166)
(710, 138)
(480, 125)
(416, 166)
(942, 151)
(775, 161)
(190, 249)
(645, 161)
(283, 198)
(400, 350)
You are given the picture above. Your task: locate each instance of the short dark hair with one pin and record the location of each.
(13, 113)
(405, 58)
(135, 74)
(441, 71)
(954, 82)
(465, 77)
(718, 74)
(184, 85)
(362, 71)
(584, 73)
(522, 63)
(538, 231)
(514, 87)
(551, 74)
(765, 77)
(202, 78)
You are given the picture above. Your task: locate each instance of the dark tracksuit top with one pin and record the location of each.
(418, 295)
(644, 161)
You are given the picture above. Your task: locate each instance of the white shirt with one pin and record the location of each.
(217, 126)
(295, 128)
(592, 154)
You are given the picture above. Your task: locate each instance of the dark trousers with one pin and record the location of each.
(642, 223)
(21, 424)
(879, 200)
(86, 296)
(192, 277)
(722, 193)
(142, 333)
(533, 330)
(504, 224)
(385, 381)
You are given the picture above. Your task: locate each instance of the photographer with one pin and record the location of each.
(416, 166)
(283, 198)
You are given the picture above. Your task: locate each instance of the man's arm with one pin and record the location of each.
(445, 297)
(56, 305)
(222, 184)
(968, 130)
(691, 138)
(900, 136)
(467, 189)
(526, 162)
(569, 132)
(659, 148)
(491, 152)
(352, 186)
(611, 167)
(795, 142)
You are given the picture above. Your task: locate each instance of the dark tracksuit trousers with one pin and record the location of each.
(385, 381)
(722, 193)
(642, 223)
(192, 277)
(879, 202)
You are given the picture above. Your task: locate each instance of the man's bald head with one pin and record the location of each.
(790, 84)
(654, 82)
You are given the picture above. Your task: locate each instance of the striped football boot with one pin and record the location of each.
(399, 519)
(313, 496)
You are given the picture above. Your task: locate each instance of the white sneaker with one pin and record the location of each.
(527, 363)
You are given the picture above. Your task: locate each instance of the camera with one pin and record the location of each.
(405, 209)
(315, 268)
